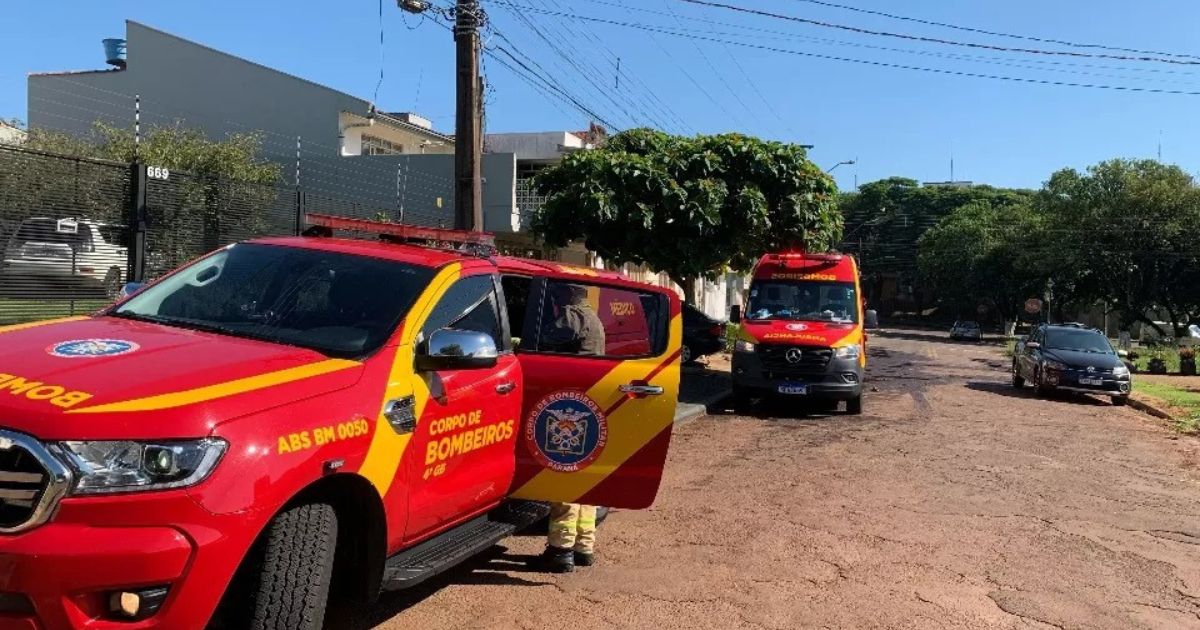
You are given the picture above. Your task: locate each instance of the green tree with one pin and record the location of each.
(688, 206)
(1125, 233)
(885, 219)
(976, 256)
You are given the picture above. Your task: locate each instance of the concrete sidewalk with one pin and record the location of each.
(702, 386)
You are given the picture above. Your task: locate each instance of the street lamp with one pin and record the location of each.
(839, 164)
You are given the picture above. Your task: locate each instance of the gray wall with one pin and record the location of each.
(181, 81)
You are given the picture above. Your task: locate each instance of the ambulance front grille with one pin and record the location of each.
(31, 482)
(804, 361)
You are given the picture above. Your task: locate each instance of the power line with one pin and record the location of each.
(717, 73)
(630, 79)
(933, 40)
(883, 64)
(981, 31)
(574, 64)
(555, 88)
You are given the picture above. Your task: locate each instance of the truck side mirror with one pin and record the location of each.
(450, 349)
(735, 314)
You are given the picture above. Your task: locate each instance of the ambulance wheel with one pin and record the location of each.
(740, 399)
(290, 568)
(854, 405)
(685, 355)
(601, 514)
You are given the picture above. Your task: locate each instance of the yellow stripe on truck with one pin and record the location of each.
(630, 427)
(47, 322)
(387, 447)
(222, 390)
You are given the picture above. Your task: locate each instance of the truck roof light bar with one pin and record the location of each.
(478, 243)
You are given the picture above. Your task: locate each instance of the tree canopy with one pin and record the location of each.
(688, 206)
(1121, 234)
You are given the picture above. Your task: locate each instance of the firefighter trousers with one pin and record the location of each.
(573, 526)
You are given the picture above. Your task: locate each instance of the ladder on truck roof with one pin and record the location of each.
(475, 243)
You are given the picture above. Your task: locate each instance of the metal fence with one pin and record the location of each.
(74, 230)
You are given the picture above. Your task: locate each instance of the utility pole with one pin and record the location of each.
(468, 128)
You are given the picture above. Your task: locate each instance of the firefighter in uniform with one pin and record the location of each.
(575, 328)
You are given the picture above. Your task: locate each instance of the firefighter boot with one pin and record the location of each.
(584, 559)
(557, 560)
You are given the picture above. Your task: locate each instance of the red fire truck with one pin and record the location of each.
(291, 425)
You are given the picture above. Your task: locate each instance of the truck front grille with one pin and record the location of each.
(811, 360)
(31, 482)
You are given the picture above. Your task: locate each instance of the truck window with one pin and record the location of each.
(594, 320)
(329, 302)
(468, 305)
(516, 301)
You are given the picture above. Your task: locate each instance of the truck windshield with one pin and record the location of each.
(809, 301)
(338, 304)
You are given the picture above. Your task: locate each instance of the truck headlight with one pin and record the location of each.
(125, 466)
(846, 352)
(743, 346)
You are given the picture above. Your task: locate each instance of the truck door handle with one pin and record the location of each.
(640, 389)
(504, 388)
(400, 413)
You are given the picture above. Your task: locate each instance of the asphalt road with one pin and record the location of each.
(954, 502)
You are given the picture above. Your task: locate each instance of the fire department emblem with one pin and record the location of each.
(89, 348)
(566, 431)
(797, 327)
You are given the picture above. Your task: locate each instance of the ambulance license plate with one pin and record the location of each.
(793, 389)
(1091, 381)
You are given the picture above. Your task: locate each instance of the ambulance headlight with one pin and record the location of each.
(743, 346)
(846, 352)
(124, 466)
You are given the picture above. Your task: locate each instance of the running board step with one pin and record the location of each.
(521, 514)
(413, 566)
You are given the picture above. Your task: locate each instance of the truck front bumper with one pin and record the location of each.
(841, 379)
(64, 575)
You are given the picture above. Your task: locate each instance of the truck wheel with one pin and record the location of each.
(1017, 380)
(1120, 401)
(854, 405)
(293, 566)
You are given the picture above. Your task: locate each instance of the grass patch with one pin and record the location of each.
(1170, 357)
(1181, 399)
(1010, 348)
(18, 311)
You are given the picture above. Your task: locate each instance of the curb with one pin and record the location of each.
(1148, 408)
(685, 412)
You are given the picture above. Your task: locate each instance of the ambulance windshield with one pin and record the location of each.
(338, 304)
(804, 300)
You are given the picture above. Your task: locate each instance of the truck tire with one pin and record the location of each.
(1018, 381)
(294, 556)
(854, 405)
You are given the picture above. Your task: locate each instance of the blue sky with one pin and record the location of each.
(894, 121)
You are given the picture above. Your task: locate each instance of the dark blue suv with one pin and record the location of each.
(1071, 358)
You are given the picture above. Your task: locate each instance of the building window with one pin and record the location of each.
(372, 145)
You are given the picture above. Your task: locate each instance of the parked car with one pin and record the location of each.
(966, 330)
(702, 335)
(45, 253)
(1074, 359)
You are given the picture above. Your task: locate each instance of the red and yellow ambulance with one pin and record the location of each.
(291, 425)
(801, 333)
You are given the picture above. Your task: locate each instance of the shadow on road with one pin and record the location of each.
(1006, 389)
(492, 568)
(930, 336)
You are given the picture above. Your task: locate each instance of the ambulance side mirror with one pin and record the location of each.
(450, 349)
(735, 314)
